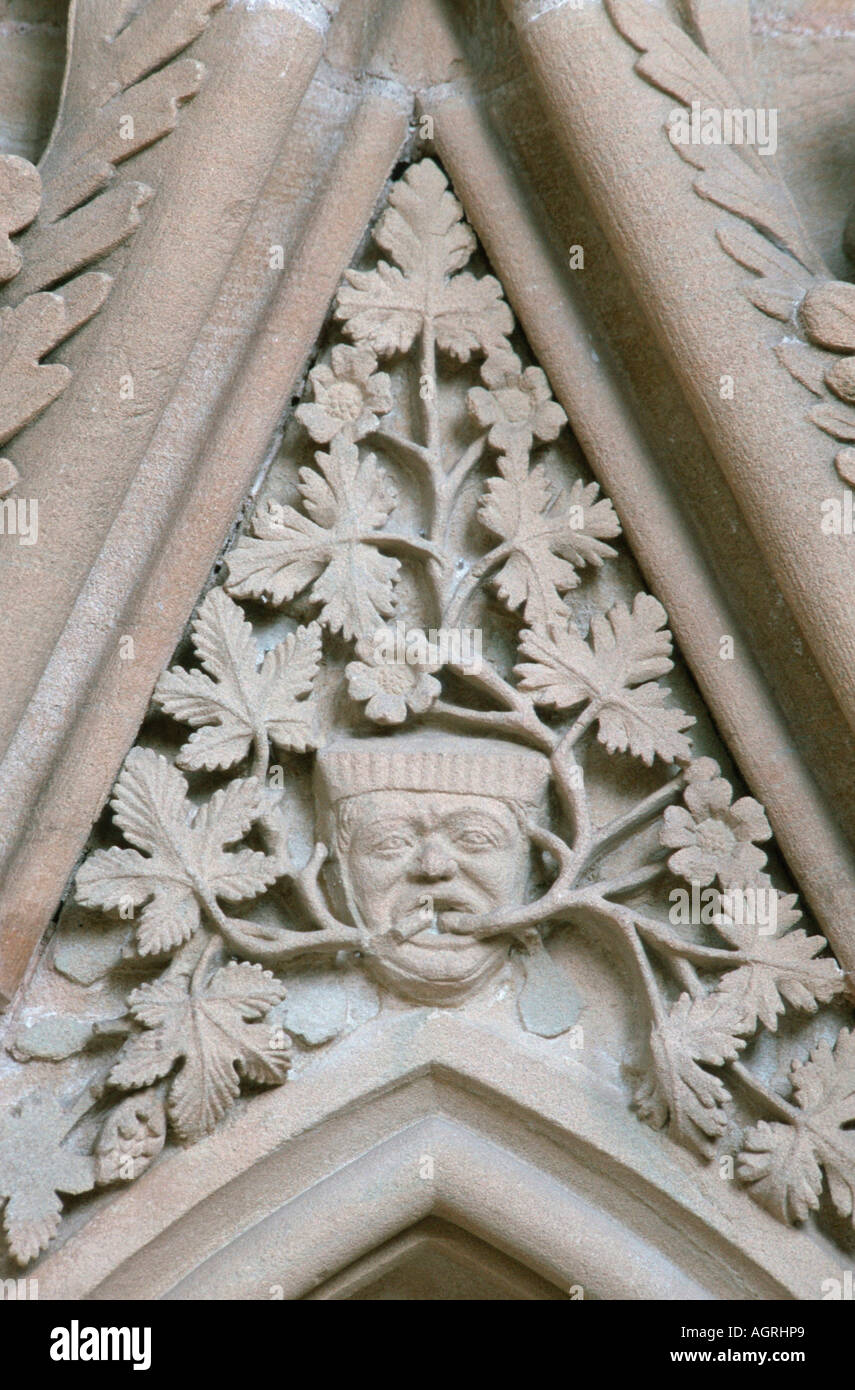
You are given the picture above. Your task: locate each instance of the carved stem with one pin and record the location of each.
(636, 878)
(491, 721)
(688, 950)
(490, 681)
(471, 582)
(411, 544)
(570, 785)
(408, 449)
(450, 485)
(307, 886)
(624, 920)
(622, 826)
(210, 950)
(776, 1103)
(583, 723)
(428, 390)
(770, 1099)
(260, 754)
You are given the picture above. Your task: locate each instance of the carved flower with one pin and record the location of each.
(518, 406)
(349, 395)
(714, 837)
(392, 688)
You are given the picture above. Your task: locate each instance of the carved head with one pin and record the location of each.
(423, 826)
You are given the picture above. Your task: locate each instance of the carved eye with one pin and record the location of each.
(390, 844)
(475, 839)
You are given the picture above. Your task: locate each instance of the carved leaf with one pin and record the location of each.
(551, 534)
(331, 549)
(615, 676)
(671, 60)
(783, 1163)
(123, 93)
(739, 182)
(836, 419)
(215, 1032)
(131, 1138)
(782, 281)
(783, 970)
(20, 195)
(34, 1168)
(804, 363)
(423, 230)
(779, 1163)
(725, 34)
(236, 701)
(184, 857)
(26, 384)
(680, 1091)
(727, 180)
(828, 314)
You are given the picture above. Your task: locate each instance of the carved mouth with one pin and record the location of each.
(423, 925)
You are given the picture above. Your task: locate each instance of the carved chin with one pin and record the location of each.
(443, 974)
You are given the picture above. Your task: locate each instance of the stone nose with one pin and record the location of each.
(434, 862)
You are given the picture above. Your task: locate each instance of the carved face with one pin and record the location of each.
(409, 858)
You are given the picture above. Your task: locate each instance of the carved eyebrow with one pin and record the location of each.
(461, 820)
(387, 826)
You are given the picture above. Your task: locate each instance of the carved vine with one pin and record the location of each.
(791, 282)
(73, 210)
(197, 866)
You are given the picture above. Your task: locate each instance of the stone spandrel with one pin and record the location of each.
(418, 754)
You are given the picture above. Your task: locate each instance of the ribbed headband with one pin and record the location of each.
(476, 767)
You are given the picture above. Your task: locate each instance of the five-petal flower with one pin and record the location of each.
(517, 407)
(350, 394)
(392, 689)
(714, 837)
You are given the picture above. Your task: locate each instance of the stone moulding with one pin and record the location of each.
(125, 107)
(206, 871)
(43, 798)
(226, 409)
(611, 122)
(438, 850)
(792, 284)
(638, 1224)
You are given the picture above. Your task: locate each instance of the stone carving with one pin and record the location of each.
(792, 285)
(35, 1166)
(37, 324)
(452, 818)
(424, 831)
(68, 217)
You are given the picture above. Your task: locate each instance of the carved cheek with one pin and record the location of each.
(492, 872)
(378, 873)
(363, 873)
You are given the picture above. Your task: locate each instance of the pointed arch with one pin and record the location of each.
(432, 1115)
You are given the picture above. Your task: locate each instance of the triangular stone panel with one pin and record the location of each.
(417, 753)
